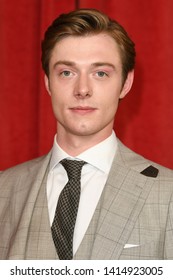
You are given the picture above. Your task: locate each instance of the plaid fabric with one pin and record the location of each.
(133, 209)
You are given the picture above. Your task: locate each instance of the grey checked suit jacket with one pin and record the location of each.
(133, 219)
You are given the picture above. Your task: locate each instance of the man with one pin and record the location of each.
(125, 207)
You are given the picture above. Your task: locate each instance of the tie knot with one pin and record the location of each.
(73, 168)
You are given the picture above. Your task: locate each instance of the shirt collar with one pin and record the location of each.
(100, 155)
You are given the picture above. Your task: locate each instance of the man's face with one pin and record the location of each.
(85, 84)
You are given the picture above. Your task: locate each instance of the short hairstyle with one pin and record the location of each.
(85, 22)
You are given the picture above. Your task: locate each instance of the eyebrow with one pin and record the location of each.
(64, 62)
(73, 64)
(98, 64)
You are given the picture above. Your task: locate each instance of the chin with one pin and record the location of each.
(82, 131)
(87, 132)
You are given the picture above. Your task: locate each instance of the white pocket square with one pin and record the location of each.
(131, 246)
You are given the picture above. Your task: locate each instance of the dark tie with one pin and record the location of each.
(66, 210)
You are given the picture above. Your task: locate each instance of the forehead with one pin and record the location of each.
(90, 48)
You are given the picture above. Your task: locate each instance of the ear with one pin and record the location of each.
(47, 85)
(127, 85)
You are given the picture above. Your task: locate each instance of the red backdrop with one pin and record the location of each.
(144, 118)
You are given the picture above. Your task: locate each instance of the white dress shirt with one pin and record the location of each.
(94, 175)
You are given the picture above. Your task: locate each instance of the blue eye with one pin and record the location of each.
(101, 74)
(66, 73)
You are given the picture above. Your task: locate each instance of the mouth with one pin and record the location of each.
(82, 110)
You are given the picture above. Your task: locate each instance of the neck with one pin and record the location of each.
(75, 144)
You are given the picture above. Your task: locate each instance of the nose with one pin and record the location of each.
(83, 87)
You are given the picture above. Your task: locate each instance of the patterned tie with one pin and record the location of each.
(66, 210)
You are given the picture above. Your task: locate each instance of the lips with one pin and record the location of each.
(83, 109)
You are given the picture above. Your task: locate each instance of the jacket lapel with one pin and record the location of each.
(122, 200)
(40, 244)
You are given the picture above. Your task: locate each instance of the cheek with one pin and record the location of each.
(111, 100)
(111, 105)
(58, 98)
(57, 105)
(111, 110)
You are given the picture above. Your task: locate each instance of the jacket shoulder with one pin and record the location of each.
(140, 164)
(24, 169)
